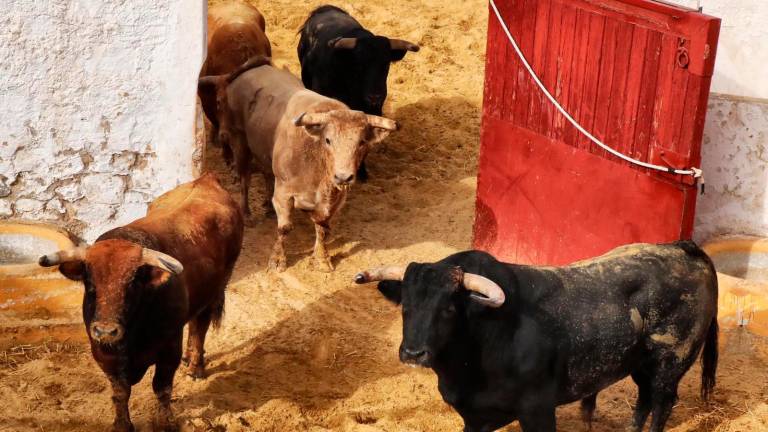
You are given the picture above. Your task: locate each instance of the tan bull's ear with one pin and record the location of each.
(313, 123)
(343, 43)
(71, 262)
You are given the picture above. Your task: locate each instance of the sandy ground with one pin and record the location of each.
(304, 350)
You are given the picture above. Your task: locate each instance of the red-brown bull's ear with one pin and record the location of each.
(71, 262)
(73, 270)
(158, 277)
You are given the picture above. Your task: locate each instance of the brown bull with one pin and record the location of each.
(236, 32)
(145, 280)
(307, 146)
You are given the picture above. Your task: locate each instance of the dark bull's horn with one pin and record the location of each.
(382, 123)
(343, 43)
(379, 274)
(492, 294)
(398, 44)
(161, 260)
(311, 119)
(62, 256)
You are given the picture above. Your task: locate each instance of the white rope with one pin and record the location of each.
(695, 172)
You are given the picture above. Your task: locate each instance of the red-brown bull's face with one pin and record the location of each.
(111, 272)
(116, 275)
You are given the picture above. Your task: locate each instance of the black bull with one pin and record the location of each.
(340, 59)
(552, 336)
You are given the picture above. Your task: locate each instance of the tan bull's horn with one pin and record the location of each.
(382, 123)
(343, 43)
(395, 273)
(74, 254)
(161, 260)
(398, 44)
(492, 294)
(311, 119)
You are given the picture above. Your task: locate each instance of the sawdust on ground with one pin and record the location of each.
(304, 350)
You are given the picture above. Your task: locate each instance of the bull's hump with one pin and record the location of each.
(631, 252)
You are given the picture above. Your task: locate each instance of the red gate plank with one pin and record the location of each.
(605, 89)
(591, 75)
(571, 135)
(538, 104)
(620, 78)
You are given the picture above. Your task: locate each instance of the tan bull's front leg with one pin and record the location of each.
(283, 205)
(320, 258)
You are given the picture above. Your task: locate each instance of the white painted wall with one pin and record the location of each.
(735, 147)
(735, 164)
(98, 107)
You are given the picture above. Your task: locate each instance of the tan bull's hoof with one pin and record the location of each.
(164, 423)
(277, 263)
(322, 264)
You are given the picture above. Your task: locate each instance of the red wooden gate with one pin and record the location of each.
(635, 73)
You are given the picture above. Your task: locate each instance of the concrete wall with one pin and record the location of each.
(98, 107)
(735, 147)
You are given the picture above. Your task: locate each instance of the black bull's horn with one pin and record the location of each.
(491, 293)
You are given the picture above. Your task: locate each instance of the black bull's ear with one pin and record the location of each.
(391, 290)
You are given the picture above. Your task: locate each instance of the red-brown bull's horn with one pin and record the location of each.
(68, 255)
(161, 260)
(396, 273)
(382, 123)
(398, 44)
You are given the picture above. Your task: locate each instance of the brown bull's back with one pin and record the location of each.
(199, 224)
(235, 34)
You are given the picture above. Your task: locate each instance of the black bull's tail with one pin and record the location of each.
(709, 361)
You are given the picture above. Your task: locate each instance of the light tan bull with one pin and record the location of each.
(307, 146)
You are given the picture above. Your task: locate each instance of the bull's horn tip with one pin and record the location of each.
(361, 278)
(43, 261)
(415, 48)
